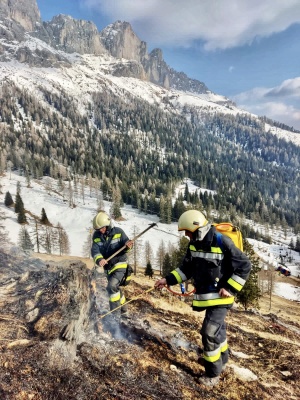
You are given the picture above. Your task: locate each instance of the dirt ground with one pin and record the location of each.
(56, 344)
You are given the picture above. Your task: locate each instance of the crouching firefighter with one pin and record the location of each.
(106, 241)
(219, 271)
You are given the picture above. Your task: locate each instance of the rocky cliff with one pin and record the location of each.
(121, 42)
(72, 36)
(23, 12)
(16, 18)
(21, 18)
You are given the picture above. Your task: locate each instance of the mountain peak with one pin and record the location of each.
(121, 41)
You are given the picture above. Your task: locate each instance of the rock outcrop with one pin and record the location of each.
(72, 36)
(121, 42)
(23, 12)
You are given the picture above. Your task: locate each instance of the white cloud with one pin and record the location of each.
(280, 103)
(288, 88)
(220, 24)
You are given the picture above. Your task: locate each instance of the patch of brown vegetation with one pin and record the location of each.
(66, 350)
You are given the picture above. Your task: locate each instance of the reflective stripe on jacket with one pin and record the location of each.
(104, 246)
(212, 269)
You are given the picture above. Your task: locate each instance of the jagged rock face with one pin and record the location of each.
(121, 42)
(130, 69)
(14, 21)
(24, 12)
(180, 81)
(10, 30)
(156, 69)
(40, 58)
(72, 35)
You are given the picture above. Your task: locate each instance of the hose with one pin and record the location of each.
(181, 294)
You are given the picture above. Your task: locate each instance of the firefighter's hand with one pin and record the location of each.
(224, 293)
(160, 283)
(102, 262)
(129, 244)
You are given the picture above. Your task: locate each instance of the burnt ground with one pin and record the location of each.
(56, 344)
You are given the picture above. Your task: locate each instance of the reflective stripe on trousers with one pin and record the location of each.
(120, 265)
(116, 297)
(215, 348)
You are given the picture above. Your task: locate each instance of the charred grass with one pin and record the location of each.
(154, 356)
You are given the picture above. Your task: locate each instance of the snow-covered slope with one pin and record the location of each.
(77, 222)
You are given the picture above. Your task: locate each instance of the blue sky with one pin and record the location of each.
(247, 50)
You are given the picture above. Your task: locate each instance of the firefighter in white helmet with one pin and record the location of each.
(218, 275)
(108, 239)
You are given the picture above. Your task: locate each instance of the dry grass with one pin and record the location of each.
(157, 355)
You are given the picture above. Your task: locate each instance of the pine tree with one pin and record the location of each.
(149, 270)
(178, 209)
(178, 254)
(21, 216)
(297, 245)
(167, 265)
(44, 219)
(8, 201)
(19, 205)
(186, 193)
(168, 210)
(162, 209)
(250, 294)
(25, 241)
(115, 209)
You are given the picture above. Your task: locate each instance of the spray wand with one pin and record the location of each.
(129, 301)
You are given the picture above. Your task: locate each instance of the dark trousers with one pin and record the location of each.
(116, 296)
(213, 332)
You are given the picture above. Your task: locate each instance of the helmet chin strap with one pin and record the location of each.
(202, 232)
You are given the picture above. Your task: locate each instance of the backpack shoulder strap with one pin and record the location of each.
(219, 241)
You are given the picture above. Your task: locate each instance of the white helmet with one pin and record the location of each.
(101, 220)
(192, 221)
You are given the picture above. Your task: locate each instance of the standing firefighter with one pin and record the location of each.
(218, 275)
(107, 240)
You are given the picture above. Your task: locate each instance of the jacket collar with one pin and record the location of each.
(206, 243)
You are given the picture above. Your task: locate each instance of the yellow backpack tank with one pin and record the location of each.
(232, 231)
